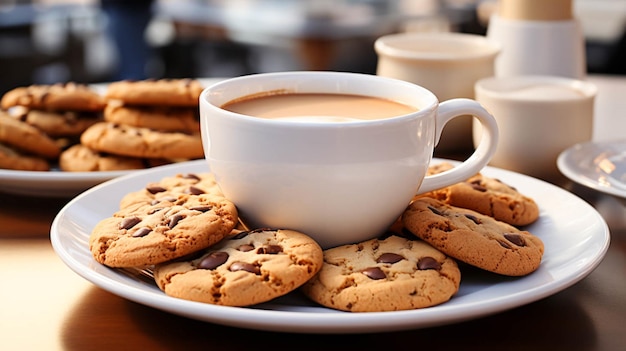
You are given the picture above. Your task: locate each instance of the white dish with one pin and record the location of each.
(575, 236)
(597, 165)
(52, 183)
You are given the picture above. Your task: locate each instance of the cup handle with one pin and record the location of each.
(449, 110)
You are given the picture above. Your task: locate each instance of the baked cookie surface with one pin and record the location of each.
(151, 233)
(163, 118)
(245, 269)
(474, 238)
(60, 124)
(170, 187)
(131, 141)
(488, 196)
(12, 159)
(79, 158)
(160, 92)
(56, 97)
(384, 275)
(22, 136)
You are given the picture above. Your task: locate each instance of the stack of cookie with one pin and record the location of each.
(146, 123)
(39, 121)
(184, 227)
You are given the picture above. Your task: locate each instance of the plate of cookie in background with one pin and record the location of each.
(574, 236)
(59, 140)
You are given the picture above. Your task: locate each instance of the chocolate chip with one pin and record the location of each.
(389, 257)
(261, 230)
(195, 191)
(428, 262)
(504, 244)
(240, 235)
(244, 266)
(173, 221)
(515, 239)
(473, 218)
(477, 186)
(202, 208)
(191, 176)
(270, 250)
(154, 210)
(435, 211)
(213, 260)
(155, 189)
(143, 231)
(374, 273)
(245, 248)
(165, 198)
(129, 222)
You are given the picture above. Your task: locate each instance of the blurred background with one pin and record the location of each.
(89, 41)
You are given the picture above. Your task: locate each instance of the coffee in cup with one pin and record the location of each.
(317, 107)
(340, 181)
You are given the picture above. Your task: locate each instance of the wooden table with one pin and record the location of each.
(46, 306)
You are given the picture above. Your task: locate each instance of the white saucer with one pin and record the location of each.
(575, 236)
(598, 165)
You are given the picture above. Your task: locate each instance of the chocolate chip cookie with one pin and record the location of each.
(13, 159)
(145, 234)
(246, 269)
(26, 138)
(80, 158)
(125, 140)
(474, 238)
(384, 275)
(58, 124)
(162, 118)
(488, 196)
(56, 97)
(170, 187)
(160, 92)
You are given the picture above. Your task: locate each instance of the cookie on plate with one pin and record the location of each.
(13, 159)
(79, 158)
(24, 137)
(171, 187)
(57, 124)
(384, 275)
(125, 140)
(160, 92)
(56, 97)
(246, 269)
(474, 238)
(488, 196)
(145, 234)
(157, 117)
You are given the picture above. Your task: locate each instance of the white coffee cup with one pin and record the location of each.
(339, 182)
(538, 117)
(448, 64)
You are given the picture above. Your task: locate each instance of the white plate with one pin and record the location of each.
(597, 165)
(52, 183)
(575, 236)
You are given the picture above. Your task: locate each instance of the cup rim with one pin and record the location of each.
(431, 101)
(384, 46)
(499, 87)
